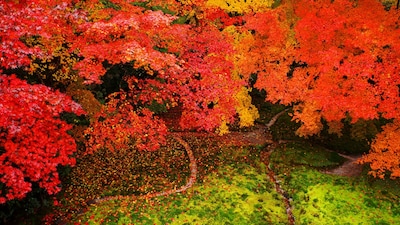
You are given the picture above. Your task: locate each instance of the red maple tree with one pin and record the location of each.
(33, 139)
(180, 64)
(34, 29)
(185, 65)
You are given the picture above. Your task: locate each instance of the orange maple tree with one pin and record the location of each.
(351, 58)
(345, 65)
(332, 61)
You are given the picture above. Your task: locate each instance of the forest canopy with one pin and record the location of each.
(79, 76)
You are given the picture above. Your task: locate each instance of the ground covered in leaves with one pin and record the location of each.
(232, 188)
(231, 174)
(234, 184)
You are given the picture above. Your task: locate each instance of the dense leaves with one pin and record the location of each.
(29, 23)
(350, 57)
(338, 62)
(331, 61)
(384, 152)
(120, 127)
(33, 140)
(352, 70)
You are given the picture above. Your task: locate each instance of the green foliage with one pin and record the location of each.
(110, 4)
(164, 10)
(326, 199)
(229, 196)
(180, 20)
(157, 108)
(276, 4)
(145, 4)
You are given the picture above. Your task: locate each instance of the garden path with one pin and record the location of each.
(258, 135)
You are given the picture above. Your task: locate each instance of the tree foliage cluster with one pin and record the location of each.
(111, 60)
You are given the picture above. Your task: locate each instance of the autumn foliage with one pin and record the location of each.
(119, 126)
(351, 71)
(330, 60)
(33, 140)
(351, 60)
(339, 62)
(384, 149)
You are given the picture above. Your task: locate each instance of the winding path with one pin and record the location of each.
(349, 168)
(189, 183)
(265, 158)
(260, 136)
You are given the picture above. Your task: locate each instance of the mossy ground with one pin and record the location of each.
(233, 186)
(236, 193)
(319, 198)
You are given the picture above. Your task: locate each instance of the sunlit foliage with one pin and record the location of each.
(241, 6)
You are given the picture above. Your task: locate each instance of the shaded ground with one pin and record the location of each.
(298, 179)
(259, 135)
(349, 168)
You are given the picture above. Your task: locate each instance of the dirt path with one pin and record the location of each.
(258, 135)
(349, 168)
(265, 158)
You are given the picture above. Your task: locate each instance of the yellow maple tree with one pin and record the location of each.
(241, 6)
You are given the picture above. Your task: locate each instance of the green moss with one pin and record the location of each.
(229, 196)
(233, 188)
(324, 199)
(245, 198)
(109, 4)
(290, 155)
(328, 199)
(124, 220)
